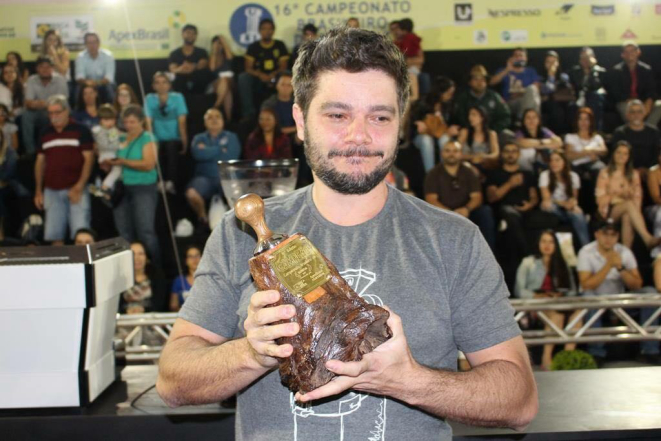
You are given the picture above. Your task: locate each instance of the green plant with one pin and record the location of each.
(573, 360)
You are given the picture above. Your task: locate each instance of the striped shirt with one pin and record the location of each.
(64, 154)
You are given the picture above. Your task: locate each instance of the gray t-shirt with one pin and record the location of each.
(430, 266)
(35, 89)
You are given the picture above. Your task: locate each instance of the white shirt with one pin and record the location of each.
(591, 261)
(560, 192)
(579, 144)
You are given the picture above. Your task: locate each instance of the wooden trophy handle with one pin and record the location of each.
(250, 209)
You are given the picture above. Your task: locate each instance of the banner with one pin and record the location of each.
(153, 28)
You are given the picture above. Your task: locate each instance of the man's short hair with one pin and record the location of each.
(587, 50)
(634, 102)
(134, 110)
(91, 34)
(522, 49)
(189, 27)
(43, 59)
(351, 50)
(107, 111)
(58, 99)
(478, 71)
(160, 74)
(630, 43)
(310, 28)
(406, 24)
(89, 231)
(264, 21)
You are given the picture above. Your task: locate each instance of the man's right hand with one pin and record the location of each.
(39, 200)
(509, 67)
(516, 180)
(614, 259)
(261, 333)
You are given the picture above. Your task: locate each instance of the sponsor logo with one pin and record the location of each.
(514, 36)
(515, 13)
(600, 33)
(177, 20)
(8, 32)
(463, 12)
(244, 23)
(636, 9)
(603, 10)
(657, 8)
(122, 38)
(629, 35)
(564, 9)
(71, 29)
(545, 35)
(480, 36)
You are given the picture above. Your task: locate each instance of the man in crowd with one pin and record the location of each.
(645, 139)
(632, 79)
(478, 94)
(283, 102)
(38, 88)
(310, 32)
(454, 185)
(520, 84)
(190, 64)
(64, 163)
(410, 44)
(588, 79)
(84, 236)
(96, 67)
(264, 60)
(350, 121)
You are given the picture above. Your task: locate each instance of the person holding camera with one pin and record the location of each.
(520, 83)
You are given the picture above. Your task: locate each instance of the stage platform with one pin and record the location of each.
(604, 404)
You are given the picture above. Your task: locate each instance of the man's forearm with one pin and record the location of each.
(86, 171)
(193, 371)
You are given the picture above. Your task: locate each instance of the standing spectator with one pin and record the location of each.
(96, 67)
(182, 285)
(634, 80)
(282, 103)
(535, 140)
(588, 79)
(87, 108)
(559, 186)
(135, 213)
(190, 64)
(12, 92)
(264, 60)
(84, 236)
(125, 96)
(14, 59)
(8, 129)
(409, 43)
(166, 117)
(556, 93)
(64, 163)
(479, 144)
(220, 64)
(478, 94)
(309, 33)
(149, 292)
(216, 144)
(453, 185)
(267, 141)
(620, 197)
(520, 84)
(38, 89)
(513, 192)
(545, 275)
(644, 138)
(53, 47)
(653, 212)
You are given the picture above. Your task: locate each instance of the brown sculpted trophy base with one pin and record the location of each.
(335, 323)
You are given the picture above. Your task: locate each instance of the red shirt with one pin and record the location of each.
(633, 93)
(258, 149)
(409, 45)
(64, 154)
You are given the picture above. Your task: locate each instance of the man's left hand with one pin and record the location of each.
(382, 371)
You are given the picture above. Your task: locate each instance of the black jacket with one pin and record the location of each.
(619, 82)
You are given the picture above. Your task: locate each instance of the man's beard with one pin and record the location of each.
(346, 183)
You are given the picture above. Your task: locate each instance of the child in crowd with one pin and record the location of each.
(107, 141)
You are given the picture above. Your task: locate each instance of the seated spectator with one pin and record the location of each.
(535, 140)
(546, 275)
(96, 67)
(12, 93)
(64, 163)
(182, 285)
(310, 33)
(87, 107)
(479, 144)
(513, 193)
(585, 146)
(353, 22)
(125, 96)
(14, 59)
(136, 211)
(38, 89)
(149, 292)
(409, 43)
(8, 161)
(216, 144)
(619, 196)
(430, 115)
(645, 139)
(267, 141)
(588, 79)
(607, 267)
(107, 139)
(53, 47)
(634, 80)
(166, 117)
(282, 103)
(454, 185)
(190, 64)
(84, 236)
(653, 212)
(8, 129)
(399, 180)
(559, 187)
(520, 84)
(264, 60)
(478, 94)
(556, 93)
(220, 65)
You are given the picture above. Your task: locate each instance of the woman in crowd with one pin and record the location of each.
(619, 196)
(546, 275)
(124, 97)
(556, 93)
(480, 145)
(533, 138)
(14, 59)
(182, 285)
(9, 130)
(135, 212)
(267, 141)
(220, 63)
(149, 291)
(653, 212)
(559, 187)
(430, 115)
(87, 107)
(12, 93)
(585, 147)
(53, 47)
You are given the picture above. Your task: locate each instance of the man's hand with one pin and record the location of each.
(516, 180)
(382, 371)
(75, 193)
(527, 205)
(614, 259)
(264, 77)
(547, 205)
(261, 333)
(184, 147)
(462, 211)
(39, 200)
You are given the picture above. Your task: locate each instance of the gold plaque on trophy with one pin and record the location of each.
(299, 266)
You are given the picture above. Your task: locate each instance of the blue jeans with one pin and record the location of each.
(249, 88)
(483, 217)
(427, 146)
(32, 123)
(134, 217)
(577, 221)
(60, 212)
